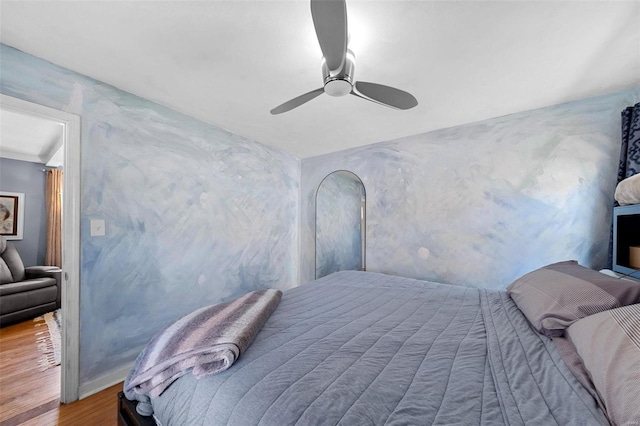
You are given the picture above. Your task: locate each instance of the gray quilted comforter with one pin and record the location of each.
(359, 348)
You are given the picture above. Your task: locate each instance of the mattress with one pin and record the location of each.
(360, 348)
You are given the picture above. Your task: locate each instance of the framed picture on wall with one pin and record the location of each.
(11, 215)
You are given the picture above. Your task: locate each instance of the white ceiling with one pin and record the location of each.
(229, 63)
(34, 139)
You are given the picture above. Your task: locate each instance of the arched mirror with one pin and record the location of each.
(340, 223)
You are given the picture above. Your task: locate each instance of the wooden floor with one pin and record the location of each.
(31, 397)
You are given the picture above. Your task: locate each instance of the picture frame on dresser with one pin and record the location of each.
(626, 240)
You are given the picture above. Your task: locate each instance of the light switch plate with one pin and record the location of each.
(97, 227)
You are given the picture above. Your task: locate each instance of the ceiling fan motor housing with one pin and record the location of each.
(340, 82)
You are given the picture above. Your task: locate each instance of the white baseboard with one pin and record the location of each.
(101, 383)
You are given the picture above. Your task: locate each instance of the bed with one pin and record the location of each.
(362, 348)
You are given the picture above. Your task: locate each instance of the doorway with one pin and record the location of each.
(70, 327)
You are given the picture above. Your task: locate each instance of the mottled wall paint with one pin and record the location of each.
(483, 203)
(194, 214)
(338, 232)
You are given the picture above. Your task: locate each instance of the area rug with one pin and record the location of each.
(49, 340)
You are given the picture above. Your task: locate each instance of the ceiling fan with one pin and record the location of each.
(330, 22)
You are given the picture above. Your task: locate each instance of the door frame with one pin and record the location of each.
(70, 362)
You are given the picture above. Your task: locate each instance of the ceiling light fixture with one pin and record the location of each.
(338, 65)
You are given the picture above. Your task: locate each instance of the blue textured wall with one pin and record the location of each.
(194, 214)
(29, 179)
(483, 203)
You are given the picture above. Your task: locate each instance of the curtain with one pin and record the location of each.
(53, 256)
(629, 163)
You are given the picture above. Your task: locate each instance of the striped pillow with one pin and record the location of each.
(609, 345)
(555, 296)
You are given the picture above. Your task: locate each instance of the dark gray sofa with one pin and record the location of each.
(25, 292)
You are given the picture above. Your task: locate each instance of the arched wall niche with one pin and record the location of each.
(340, 224)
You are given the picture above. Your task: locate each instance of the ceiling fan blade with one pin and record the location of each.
(384, 95)
(296, 102)
(330, 21)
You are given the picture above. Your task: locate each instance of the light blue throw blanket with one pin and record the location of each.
(204, 342)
